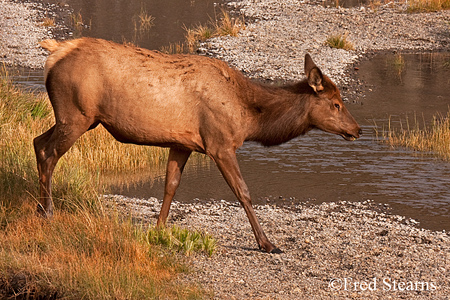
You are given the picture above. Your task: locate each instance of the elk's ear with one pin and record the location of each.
(314, 74)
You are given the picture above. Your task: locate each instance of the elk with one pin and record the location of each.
(184, 102)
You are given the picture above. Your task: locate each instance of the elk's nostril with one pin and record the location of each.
(360, 131)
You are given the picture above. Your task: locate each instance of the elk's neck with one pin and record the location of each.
(280, 113)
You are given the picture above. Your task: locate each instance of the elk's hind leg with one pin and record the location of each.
(49, 147)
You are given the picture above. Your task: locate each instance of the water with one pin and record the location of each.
(120, 21)
(317, 167)
(124, 20)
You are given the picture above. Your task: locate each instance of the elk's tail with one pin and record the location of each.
(58, 51)
(50, 45)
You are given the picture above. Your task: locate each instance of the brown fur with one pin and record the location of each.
(188, 103)
(58, 50)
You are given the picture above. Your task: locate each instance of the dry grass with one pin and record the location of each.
(48, 22)
(434, 138)
(143, 21)
(83, 256)
(339, 41)
(78, 24)
(228, 25)
(223, 25)
(197, 34)
(83, 253)
(175, 48)
(76, 19)
(428, 5)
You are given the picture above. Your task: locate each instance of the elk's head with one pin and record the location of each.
(328, 112)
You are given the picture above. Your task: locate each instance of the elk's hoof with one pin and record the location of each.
(276, 251)
(41, 212)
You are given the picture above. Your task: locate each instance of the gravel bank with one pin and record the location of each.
(331, 251)
(22, 28)
(279, 33)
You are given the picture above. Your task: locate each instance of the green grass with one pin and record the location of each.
(85, 252)
(339, 41)
(434, 138)
(182, 240)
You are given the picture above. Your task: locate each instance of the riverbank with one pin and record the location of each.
(331, 251)
(23, 25)
(279, 33)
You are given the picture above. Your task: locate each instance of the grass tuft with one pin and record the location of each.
(143, 21)
(48, 22)
(434, 138)
(227, 25)
(339, 41)
(182, 240)
(224, 25)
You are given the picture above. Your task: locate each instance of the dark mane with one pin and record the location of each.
(281, 112)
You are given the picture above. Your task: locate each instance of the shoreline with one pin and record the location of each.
(22, 28)
(273, 44)
(324, 247)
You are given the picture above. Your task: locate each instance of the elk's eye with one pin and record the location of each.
(337, 106)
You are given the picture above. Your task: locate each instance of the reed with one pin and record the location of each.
(175, 48)
(76, 19)
(78, 24)
(434, 138)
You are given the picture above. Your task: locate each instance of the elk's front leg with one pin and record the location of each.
(227, 163)
(175, 165)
